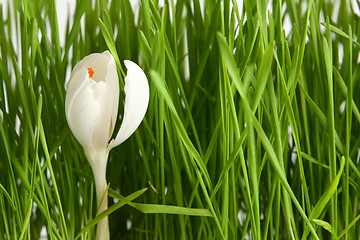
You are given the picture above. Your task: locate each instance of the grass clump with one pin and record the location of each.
(252, 129)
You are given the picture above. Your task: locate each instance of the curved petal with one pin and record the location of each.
(104, 126)
(136, 102)
(112, 79)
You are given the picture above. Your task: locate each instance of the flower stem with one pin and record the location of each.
(103, 226)
(98, 161)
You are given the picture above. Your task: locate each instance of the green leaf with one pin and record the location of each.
(111, 209)
(326, 226)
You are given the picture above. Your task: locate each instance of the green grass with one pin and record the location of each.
(244, 136)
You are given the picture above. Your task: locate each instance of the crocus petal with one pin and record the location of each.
(82, 111)
(136, 102)
(112, 79)
(104, 126)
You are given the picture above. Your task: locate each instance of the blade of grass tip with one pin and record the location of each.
(156, 19)
(341, 33)
(145, 47)
(166, 209)
(326, 226)
(313, 160)
(23, 95)
(35, 13)
(230, 63)
(111, 45)
(107, 22)
(271, 27)
(244, 63)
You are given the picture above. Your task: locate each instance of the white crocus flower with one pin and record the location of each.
(91, 107)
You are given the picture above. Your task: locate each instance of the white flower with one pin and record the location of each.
(92, 100)
(91, 107)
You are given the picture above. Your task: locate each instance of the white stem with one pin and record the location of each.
(98, 161)
(103, 226)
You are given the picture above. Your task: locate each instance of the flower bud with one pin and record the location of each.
(92, 99)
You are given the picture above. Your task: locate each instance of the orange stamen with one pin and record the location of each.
(91, 72)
